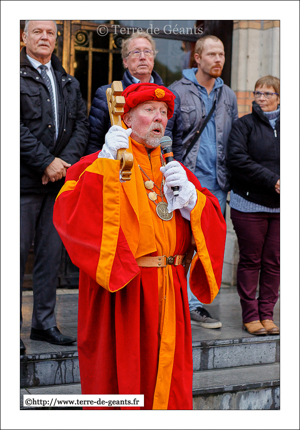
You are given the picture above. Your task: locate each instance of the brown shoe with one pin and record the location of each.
(270, 327)
(255, 328)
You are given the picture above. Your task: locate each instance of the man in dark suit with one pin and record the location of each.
(53, 135)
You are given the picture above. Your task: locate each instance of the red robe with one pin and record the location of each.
(134, 331)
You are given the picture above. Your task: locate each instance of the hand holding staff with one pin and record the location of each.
(116, 103)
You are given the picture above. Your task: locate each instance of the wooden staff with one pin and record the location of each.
(116, 103)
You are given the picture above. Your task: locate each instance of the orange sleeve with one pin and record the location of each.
(87, 218)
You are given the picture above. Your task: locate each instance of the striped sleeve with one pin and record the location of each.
(87, 218)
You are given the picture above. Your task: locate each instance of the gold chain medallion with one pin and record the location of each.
(149, 185)
(162, 211)
(152, 196)
(161, 207)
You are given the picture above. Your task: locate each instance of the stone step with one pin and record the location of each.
(249, 387)
(224, 353)
(56, 368)
(230, 351)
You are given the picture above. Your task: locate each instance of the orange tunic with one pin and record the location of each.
(134, 333)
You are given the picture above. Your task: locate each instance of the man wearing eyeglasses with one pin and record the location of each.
(138, 58)
(138, 54)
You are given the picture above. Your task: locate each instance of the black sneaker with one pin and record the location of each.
(202, 318)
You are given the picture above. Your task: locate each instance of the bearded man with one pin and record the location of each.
(129, 240)
(208, 110)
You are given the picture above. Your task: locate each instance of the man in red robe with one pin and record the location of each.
(129, 240)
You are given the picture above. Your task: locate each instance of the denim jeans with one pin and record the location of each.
(193, 301)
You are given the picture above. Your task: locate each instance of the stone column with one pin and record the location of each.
(255, 53)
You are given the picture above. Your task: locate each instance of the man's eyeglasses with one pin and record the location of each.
(267, 95)
(137, 53)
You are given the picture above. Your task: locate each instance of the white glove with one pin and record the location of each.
(116, 138)
(175, 176)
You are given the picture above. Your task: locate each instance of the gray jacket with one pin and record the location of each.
(193, 114)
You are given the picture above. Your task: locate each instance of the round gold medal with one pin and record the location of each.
(149, 185)
(152, 196)
(162, 211)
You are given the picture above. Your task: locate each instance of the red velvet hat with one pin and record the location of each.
(142, 92)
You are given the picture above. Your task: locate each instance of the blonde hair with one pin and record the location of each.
(137, 35)
(200, 43)
(269, 81)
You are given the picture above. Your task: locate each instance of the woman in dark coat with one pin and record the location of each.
(254, 163)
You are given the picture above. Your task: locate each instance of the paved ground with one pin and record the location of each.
(226, 307)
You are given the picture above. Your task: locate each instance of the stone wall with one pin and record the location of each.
(255, 53)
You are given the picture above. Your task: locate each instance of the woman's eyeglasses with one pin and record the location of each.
(267, 95)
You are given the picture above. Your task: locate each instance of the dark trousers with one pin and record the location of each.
(259, 245)
(36, 225)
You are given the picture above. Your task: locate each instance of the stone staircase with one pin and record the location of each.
(232, 369)
(236, 374)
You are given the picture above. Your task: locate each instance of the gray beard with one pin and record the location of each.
(152, 142)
